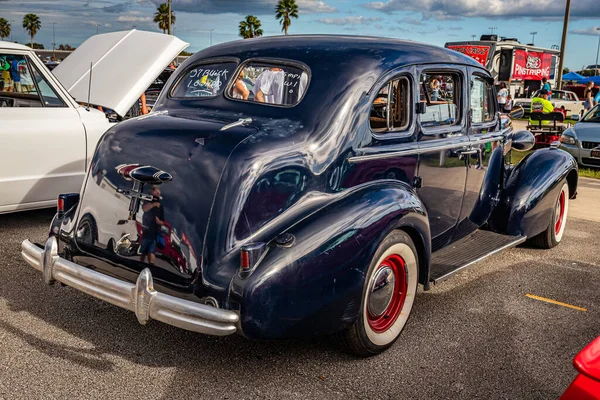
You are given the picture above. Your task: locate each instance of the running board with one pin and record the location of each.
(467, 251)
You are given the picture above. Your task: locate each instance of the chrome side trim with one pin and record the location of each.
(514, 243)
(141, 298)
(240, 122)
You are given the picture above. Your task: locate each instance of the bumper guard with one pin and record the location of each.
(140, 298)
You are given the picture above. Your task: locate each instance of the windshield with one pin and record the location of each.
(593, 115)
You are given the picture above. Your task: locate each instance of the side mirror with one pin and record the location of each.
(517, 112)
(421, 108)
(523, 140)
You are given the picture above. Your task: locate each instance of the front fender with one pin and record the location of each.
(315, 286)
(530, 190)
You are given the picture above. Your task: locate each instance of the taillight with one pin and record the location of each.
(250, 255)
(60, 205)
(244, 260)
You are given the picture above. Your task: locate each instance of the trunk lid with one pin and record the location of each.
(150, 190)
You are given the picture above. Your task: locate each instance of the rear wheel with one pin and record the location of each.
(388, 297)
(553, 234)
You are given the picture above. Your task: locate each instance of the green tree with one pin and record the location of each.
(250, 27)
(566, 70)
(32, 25)
(284, 11)
(4, 28)
(161, 16)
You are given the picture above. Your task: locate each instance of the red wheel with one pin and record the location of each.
(388, 295)
(552, 236)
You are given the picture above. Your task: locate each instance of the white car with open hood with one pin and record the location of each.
(47, 138)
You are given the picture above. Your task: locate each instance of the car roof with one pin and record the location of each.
(12, 46)
(385, 52)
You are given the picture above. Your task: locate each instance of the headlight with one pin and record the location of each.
(567, 139)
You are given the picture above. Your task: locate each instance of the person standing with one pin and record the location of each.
(268, 87)
(14, 74)
(152, 220)
(509, 104)
(588, 100)
(546, 85)
(502, 96)
(434, 84)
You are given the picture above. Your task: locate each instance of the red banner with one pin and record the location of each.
(479, 53)
(532, 65)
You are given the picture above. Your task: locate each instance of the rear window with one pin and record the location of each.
(205, 80)
(281, 85)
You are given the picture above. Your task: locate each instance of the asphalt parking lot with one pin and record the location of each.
(476, 335)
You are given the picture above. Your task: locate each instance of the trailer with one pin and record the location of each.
(520, 66)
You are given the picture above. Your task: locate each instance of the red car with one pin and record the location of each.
(586, 385)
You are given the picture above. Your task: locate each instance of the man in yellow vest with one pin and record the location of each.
(540, 103)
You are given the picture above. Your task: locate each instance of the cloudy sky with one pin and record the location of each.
(431, 21)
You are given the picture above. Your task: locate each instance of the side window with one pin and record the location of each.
(47, 92)
(390, 111)
(482, 100)
(440, 92)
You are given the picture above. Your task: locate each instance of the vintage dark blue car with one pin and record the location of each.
(304, 185)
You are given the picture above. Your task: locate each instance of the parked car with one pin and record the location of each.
(559, 98)
(42, 116)
(586, 386)
(582, 140)
(315, 208)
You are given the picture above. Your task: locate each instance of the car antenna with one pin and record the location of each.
(89, 88)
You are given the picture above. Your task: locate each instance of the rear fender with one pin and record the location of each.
(530, 191)
(315, 286)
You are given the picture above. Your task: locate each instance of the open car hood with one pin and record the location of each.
(124, 64)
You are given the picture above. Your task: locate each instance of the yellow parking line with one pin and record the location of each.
(532, 296)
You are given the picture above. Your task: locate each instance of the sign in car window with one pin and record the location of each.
(282, 85)
(204, 80)
(531, 65)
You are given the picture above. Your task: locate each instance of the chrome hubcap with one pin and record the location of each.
(382, 291)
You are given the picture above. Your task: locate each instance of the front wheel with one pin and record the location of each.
(388, 296)
(552, 236)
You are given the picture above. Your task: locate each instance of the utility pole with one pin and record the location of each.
(170, 16)
(533, 37)
(597, 53)
(563, 44)
(96, 25)
(211, 31)
(473, 36)
(53, 40)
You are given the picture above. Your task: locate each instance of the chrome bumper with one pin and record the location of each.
(140, 298)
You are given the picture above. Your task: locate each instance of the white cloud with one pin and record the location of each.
(411, 21)
(314, 6)
(359, 20)
(133, 18)
(591, 31)
(442, 9)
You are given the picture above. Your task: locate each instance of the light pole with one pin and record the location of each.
(53, 40)
(96, 25)
(211, 31)
(597, 53)
(170, 28)
(473, 36)
(12, 22)
(533, 37)
(492, 29)
(563, 44)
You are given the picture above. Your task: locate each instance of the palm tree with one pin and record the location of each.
(4, 28)
(161, 16)
(250, 27)
(284, 10)
(32, 25)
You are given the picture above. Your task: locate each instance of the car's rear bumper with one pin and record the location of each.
(141, 298)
